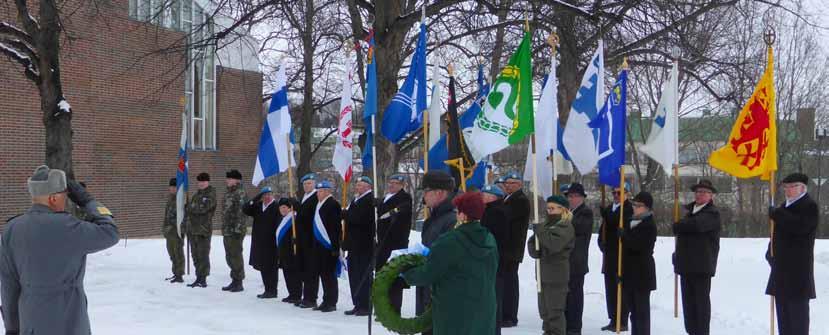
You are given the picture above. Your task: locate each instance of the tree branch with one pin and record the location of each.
(8, 29)
(322, 141)
(29, 65)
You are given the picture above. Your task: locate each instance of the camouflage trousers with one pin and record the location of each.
(200, 248)
(233, 256)
(175, 248)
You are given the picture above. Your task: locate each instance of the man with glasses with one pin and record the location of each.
(43, 257)
(393, 229)
(695, 259)
(609, 245)
(791, 256)
(518, 214)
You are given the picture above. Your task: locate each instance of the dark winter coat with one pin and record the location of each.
(305, 222)
(583, 226)
(263, 251)
(394, 225)
(495, 219)
(441, 220)
(287, 258)
(556, 241)
(519, 221)
(793, 264)
(608, 239)
(461, 270)
(639, 269)
(42, 268)
(698, 241)
(330, 213)
(359, 225)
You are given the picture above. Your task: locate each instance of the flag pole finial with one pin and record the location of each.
(769, 35)
(625, 66)
(450, 69)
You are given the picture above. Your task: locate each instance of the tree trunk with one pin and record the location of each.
(498, 50)
(58, 124)
(307, 117)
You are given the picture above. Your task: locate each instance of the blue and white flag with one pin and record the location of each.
(370, 108)
(284, 228)
(276, 150)
(579, 139)
(320, 233)
(405, 112)
(181, 175)
(663, 140)
(611, 125)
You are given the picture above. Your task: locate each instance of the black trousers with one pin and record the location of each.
(499, 300)
(510, 307)
(610, 299)
(574, 309)
(792, 315)
(270, 278)
(359, 278)
(639, 305)
(696, 303)
(293, 281)
(423, 297)
(323, 270)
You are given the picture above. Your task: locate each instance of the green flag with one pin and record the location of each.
(507, 115)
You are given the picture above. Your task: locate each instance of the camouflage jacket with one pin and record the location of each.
(170, 211)
(200, 212)
(233, 220)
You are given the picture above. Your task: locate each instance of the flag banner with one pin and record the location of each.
(404, 113)
(320, 233)
(611, 124)
(546, 135)
(435, 109)
(274, 147)
(284, 228)
(507, 115)
(663, 140)
(370, 108)
(343, 148)
(751, 149)
(459, 157)
(579, 138)
(181, 175)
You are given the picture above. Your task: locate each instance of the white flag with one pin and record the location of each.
(342, 149)
(546, 131)
(579, 138)
(663, 139)
(435, 109)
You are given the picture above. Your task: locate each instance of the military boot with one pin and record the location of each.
(177, 279)
(229, 286)
(236, 286)
(200, 282)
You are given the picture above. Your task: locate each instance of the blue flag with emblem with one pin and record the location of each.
(611, 124)
(578, 138)
(405, 112)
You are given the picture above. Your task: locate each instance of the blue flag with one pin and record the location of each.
(370, 108)
(181, 175)
(405, 112)
(276, 152)
(578, 138)
(611, 124)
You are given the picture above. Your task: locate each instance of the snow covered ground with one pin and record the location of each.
(128, 296)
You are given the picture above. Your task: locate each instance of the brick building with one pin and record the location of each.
(127, 103)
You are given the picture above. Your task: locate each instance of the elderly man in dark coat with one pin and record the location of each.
(583, 226)
(639, 275)
(609, 245)
(394, 226)
(697, 249)
(325, 248)
(305, 238)
(264, 256)
(518, 209)
(43, 257)
(791, 255)
(359, 242)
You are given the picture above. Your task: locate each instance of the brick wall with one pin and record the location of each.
(126, 118)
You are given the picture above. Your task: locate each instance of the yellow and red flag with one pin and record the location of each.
(751, 149)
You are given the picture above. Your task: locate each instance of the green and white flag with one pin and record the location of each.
(507, 115)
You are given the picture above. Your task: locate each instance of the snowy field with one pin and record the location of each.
(128, 296)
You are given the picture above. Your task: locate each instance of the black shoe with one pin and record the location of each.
(362, 312)
(291, 300)
(236, 286)
(611, 327)
(316, 308)
(267, 295)
(170, 278)
(351, 311)
(508, 324)
(306, 305)
(176, 279)
(229, 286)
(327, 308)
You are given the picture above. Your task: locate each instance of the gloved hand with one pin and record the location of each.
(78, 194)
(344, 213)
(771, 210)
(258, 197)
(620, 232)
(378, 202)
(419, 248)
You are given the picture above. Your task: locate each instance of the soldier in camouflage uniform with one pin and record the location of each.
(199, 227)
(175, 245)
(234, 229)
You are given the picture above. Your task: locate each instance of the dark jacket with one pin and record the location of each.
(359, 225)
(583, 226)
(793, 264)
(698, 241)
(263, 251)
(305, 222)
(519, 221)
(608, 239)
(287, 258)
(461, 270)
(441, 220)
(393, 230)
(495, 220)
(639, 270)
(555, 244)
(330, 213)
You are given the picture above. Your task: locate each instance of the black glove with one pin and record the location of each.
(344, 213)
(78, 194)
(378, 202)
(620, 232)
(771, 210)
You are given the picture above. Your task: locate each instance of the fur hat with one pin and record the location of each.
(233, 174)
(173, 182)
(46, 181)
(471, 204)
(203, 177)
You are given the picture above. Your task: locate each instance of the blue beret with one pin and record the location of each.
(398, 177)
(324, 184)
(310, 176)
(366, 180)
(513, 175)
(500, 180)
(266, 189)
(564, 188)
(494, 190)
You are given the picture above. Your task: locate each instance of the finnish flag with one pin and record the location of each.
(275, 147)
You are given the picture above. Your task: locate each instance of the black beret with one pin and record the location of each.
(437, 180)
(645, 198)
(203, 177)
(796, 177)
(173, 182)
(233, 174)
(290, 202)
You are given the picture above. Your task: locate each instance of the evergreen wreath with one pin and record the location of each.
(386, 314)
